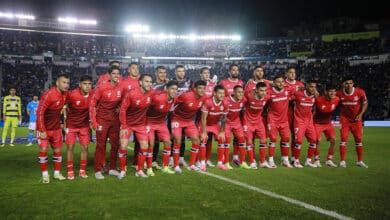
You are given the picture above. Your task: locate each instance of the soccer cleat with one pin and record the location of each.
(183, 163)
(121, 175)
(236, 162)
(170, 163)
(99, 176)
(221, 167)
(197, 164)
(12, 145)
(45, 179)
(70, 175)
(228, 166)
(59, 176)
(330, 163)
(2, 145)
(244, 165)
(167, 170)
(272, 164)
(83, 174)
(141, 174)
(150, 172)
(254, 166)
(264, 165)
(193, 168)
(202, 166)
(343, 164)
(155, 165)
(361, 164)
(29, 144)
(209, 163)
(177, 169)
(297, 164)
(317, 163)
(113, 173)
(286, 164)
(308, 163)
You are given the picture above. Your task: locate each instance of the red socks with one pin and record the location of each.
(42, 158)
(193, 154)
(176, 154)
(122, 159)
(166, 155)
(57, 159)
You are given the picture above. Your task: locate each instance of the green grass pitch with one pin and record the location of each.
(354, 192)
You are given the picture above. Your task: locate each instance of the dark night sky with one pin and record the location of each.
(268, 17)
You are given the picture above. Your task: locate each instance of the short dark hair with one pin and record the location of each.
(237, 87)
(260, 85)
(160, 68)
(258, 66)
(289, 68)
(12, 87)
(179, 66)
(112, 68)
(132, 63)
(145, 75)
(172, 83)
(85, 78)
(200, 83)
(330, 86)
(310, 81)
(114, 61)
(218, 87)
(66, 76)
(277, 77)
(203, 69)
(347, 78)
(232, 65)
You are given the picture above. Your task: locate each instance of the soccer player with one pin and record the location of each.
(353, 105)
(233, 123)
(32, 107)
(229, 84)
(161, 104)
(303, 123)
(103, 113)
(106, 77)
(132, 117)
(324, 108)
(188, 104)
(277, 120)
(49, 128)
(77, 124)
(253, 123)
(214, 111)
(12, 115)
(132, 80)
(258, 74)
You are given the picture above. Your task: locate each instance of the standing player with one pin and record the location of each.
(161, 104)
(103, 113)
(188, 104)
(277, 120)
(106, 77)
(132, 117)
(49, 128)
(253, 123)
(234, 125)
(258, 74)
(77, 124)
(353, 105)
(214, 111)
(303, 123)
(229, 84)
(32, 113)
(12, 115)
(324, 108)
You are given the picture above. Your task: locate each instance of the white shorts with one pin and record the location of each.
(32, 125)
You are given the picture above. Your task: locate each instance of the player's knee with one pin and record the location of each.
(167, 143)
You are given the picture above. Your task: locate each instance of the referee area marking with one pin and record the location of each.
(314, 208)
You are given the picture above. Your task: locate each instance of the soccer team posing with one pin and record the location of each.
(169, 110)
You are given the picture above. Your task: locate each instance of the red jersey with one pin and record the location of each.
(209, 91)
(134, 106)
(159, 108)
(105, 78)
(252, 85)
(49, 110)
(214, 110)
(253, 109)
(105, 103)
(278, 108)
(303, 106)
(129, 83)
(235, 108)
(293, 87)
(324, 109)
(351, 103)
(229, 85)
(78, 109)
(188, 104)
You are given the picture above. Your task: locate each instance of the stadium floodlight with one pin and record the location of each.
(137, 28)
(72, 20)
(19, 16)
(191, 37)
